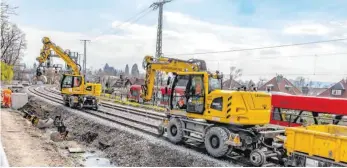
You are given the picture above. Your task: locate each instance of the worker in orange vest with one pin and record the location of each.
(6, 98)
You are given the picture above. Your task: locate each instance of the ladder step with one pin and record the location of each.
(193, 138)
(192, 131)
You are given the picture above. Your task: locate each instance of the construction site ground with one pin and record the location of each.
(102, 143)
(25, 145)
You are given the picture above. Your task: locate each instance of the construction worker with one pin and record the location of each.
(6, 98)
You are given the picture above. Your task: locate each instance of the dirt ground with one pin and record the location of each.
(25, 145)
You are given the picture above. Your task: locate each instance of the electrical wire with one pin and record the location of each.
(277, 57)
(128, 21)
(273, 74)
(137, 17)
(258, 48)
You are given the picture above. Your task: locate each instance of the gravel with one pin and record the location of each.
(122, 145)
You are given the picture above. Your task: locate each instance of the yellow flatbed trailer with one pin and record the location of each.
(316, 145)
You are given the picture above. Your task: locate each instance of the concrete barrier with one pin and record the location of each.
(19, 100)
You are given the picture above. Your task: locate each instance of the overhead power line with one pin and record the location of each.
(278, 57)
(258, 48)
(137, 17)
(131, 20)
(299, 74)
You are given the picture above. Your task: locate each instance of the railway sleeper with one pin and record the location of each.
(220, 140)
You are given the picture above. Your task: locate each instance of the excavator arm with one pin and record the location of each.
(153, 65)
(46, 52)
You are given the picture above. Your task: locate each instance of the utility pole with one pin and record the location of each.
(155, 6)
(84, 67)
(158, 50)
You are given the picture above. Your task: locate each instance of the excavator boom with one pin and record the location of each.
(152, 65)
(46, 52)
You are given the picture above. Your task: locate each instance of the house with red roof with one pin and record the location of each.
(280, 84)
(339, 90)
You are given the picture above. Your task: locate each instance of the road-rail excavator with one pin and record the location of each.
(74, 89)
(225, 121)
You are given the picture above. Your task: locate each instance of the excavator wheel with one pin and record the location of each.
(96, 107)
(71, 103)
(175, 131)
(215, 142)
(80, 105)
(257, 157)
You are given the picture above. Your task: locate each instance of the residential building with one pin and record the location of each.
(231, 84)
(280, 84)
(338, 90)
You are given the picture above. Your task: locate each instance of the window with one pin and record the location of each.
(213, 84)
(67, 82)
(269, 87)
(89, 88)
(197, 88)
(217, 104)
(336, 92)
(77, 81)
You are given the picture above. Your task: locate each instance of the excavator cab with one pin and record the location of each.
(195, 92)
(72, 84)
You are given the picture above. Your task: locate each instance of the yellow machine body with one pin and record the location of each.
(234, 107)
(326, 141)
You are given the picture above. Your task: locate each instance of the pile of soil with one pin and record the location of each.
(121, 147)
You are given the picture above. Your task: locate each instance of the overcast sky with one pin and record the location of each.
(197, 26)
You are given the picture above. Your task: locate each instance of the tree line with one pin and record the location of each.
(13, 42)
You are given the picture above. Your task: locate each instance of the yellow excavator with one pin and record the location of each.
(74, 89)
(221, 120)
(226, 122)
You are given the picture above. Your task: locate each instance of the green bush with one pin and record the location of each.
(6, 72)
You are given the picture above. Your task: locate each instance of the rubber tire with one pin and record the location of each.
(222, 136)
(261, 158)
(80, 105)
(179, 135)
(71, 103)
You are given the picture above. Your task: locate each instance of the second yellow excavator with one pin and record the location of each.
(74, 89)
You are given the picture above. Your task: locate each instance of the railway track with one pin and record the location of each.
(136, 124)
(139, 112)
(145, 127)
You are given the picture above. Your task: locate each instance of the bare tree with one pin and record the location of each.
(235, 73)
(261, 82)
(13, 41)
(300, 81)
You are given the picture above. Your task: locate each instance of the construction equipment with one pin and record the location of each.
(74, 89)
(152, 65)
(222, 121)
(316, 146)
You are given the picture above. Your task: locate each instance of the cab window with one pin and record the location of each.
(77, 81)
(214, 84)
(196, 87)
(67, 82)
(217, 104)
